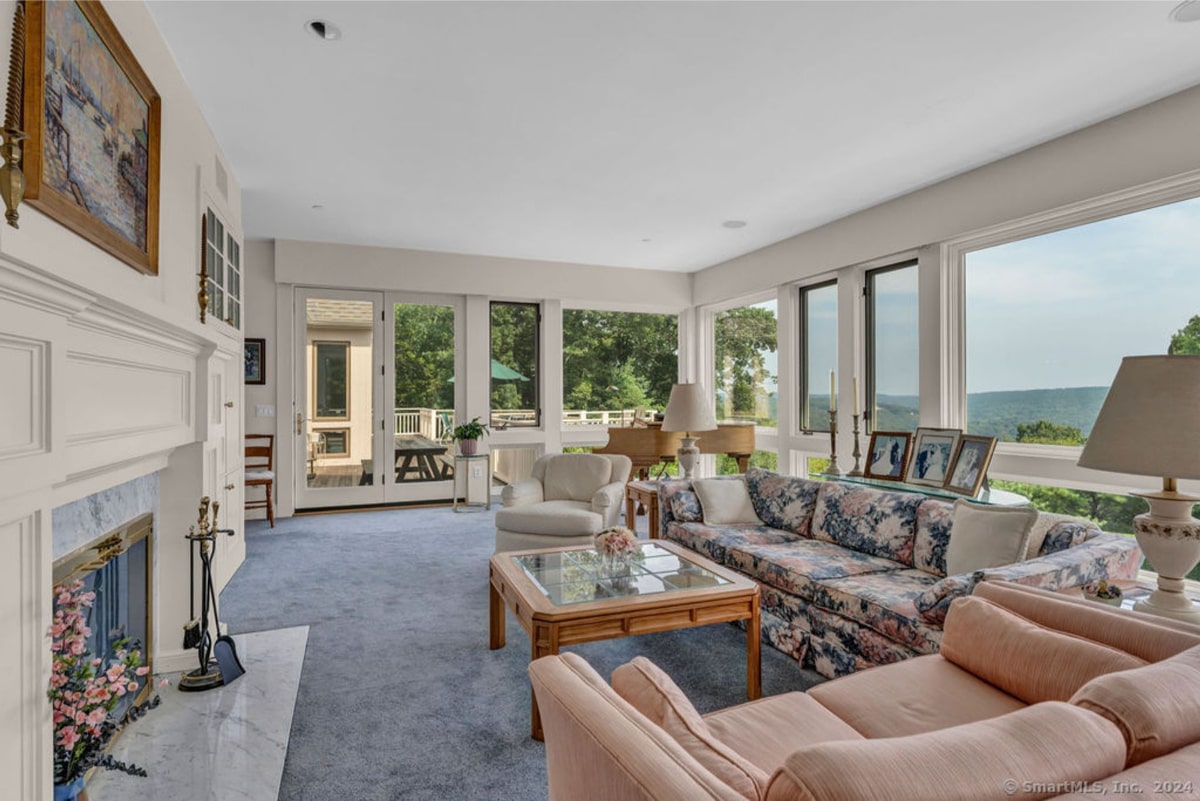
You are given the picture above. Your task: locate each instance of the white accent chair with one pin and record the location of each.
(568, 499)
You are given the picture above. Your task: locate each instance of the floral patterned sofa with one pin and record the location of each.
(853, 576)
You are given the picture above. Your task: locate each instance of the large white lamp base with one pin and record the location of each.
(687, 455)
(1170, 539)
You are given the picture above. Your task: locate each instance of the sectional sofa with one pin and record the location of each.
(1034, 695)
(854, 576)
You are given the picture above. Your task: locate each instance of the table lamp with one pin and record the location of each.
(1150, 426)
(688, 410)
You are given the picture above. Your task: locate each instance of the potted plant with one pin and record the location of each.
(467, 435)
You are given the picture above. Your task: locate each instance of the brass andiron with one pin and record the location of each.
(833, 469)
(857, 470)
(12, 180)
(202, 295)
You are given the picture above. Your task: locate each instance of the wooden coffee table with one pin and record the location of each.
(564, 596)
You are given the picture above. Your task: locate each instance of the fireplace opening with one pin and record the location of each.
(117, 567)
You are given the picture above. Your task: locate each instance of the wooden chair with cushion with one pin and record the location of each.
(260, 471)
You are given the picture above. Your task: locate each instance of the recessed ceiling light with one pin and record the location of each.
(323, 29)
(1187, 11)
(647, 239)
(317, 207)
(734, 223)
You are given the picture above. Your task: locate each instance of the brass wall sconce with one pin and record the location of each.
(12, 180)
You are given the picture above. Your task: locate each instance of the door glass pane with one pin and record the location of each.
(617, 365)
(892, 355)
(339, 349)
(746, 365)
(818, 311)
(424, 392)
(514, 380)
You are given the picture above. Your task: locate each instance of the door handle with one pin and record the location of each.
(229, 486)
(299, 423)
(228, 404)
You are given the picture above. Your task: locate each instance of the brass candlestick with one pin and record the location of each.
(857, 471)
(12, 180)
(833, 469)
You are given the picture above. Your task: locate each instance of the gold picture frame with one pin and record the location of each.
(887, 455)
(94, 124)
(968, 469)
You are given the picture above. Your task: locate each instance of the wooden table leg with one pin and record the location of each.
(495, 618)
(630, 512)
(652, 518)
(544, 641)
(754, 653)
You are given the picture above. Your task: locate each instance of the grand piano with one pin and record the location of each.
(649, 445)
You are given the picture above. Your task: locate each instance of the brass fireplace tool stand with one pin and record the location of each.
(219, 663)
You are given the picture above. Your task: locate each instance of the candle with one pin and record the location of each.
(832, 394)
(856, 409)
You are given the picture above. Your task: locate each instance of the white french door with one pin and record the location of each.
(374, 397)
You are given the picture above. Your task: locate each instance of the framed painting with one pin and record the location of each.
(970, 464)
(256, 360)
(93, 118)
(933, 449)
(887, 455)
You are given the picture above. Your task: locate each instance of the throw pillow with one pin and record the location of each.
(725, 502)
(1024, 659)
(652, 692)
(987, 536)
(1156, 708)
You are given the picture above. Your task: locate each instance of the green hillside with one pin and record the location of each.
(998, 413)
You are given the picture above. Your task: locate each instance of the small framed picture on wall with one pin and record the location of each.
(933, 450)
(256, 361)
(970, 465)
(887, 455)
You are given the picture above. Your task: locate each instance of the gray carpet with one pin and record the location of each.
(400, 697)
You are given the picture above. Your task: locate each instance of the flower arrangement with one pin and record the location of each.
(1103, 591)
(616, 541)
(85, 689)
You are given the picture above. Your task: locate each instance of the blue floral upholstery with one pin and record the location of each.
(785, 502)
(934, 519)
(867, 520)
(869, 587)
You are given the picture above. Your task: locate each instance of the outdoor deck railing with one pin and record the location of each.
(436, 424)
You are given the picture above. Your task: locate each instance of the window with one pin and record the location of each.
(892, 356)
(331, 376)
(818, 353)
(728, 466)
(515, 333)
(335, 441)
(746, 366)
(616, 364)
(1049, 318)
(223, 270)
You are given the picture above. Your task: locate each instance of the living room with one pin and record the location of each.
(121, 403)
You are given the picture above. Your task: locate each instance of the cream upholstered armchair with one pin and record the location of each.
(567, 499)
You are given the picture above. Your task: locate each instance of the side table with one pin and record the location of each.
(645, 493)
(474, 471)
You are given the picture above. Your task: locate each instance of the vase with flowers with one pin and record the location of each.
(84, 691)
(616, 546)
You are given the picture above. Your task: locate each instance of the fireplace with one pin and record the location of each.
(117, 566)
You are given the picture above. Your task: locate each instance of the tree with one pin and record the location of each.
(742, 335)
(1187, 339)
(617, 360)
(424, 356)
(1044, 432)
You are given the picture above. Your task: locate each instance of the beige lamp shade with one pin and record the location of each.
(689, 409)
(1150, 422)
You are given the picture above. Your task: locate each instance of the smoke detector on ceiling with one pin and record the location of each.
(1187, 11)
(734, 223)
(323, 29)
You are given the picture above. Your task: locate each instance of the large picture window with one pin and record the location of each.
(892, 355)
(818, 353)
(1049, 318)
(746, 364)
(617, 364)
(515, 334)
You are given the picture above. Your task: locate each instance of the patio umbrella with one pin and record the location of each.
(503, 372)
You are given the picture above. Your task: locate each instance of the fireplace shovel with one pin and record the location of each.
(224, 649)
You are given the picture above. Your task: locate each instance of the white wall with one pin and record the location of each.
(109, 375)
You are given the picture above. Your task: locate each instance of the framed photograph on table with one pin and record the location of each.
(256, 361)
(887, 455)
(93, 117)
(933, 450)
(970, 464)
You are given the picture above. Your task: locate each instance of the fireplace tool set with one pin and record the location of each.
(219, 663)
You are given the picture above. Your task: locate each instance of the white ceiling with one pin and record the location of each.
(626, 133)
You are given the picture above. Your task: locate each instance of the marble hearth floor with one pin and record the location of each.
(226, 744)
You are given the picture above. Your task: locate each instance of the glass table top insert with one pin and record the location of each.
(580, 576)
